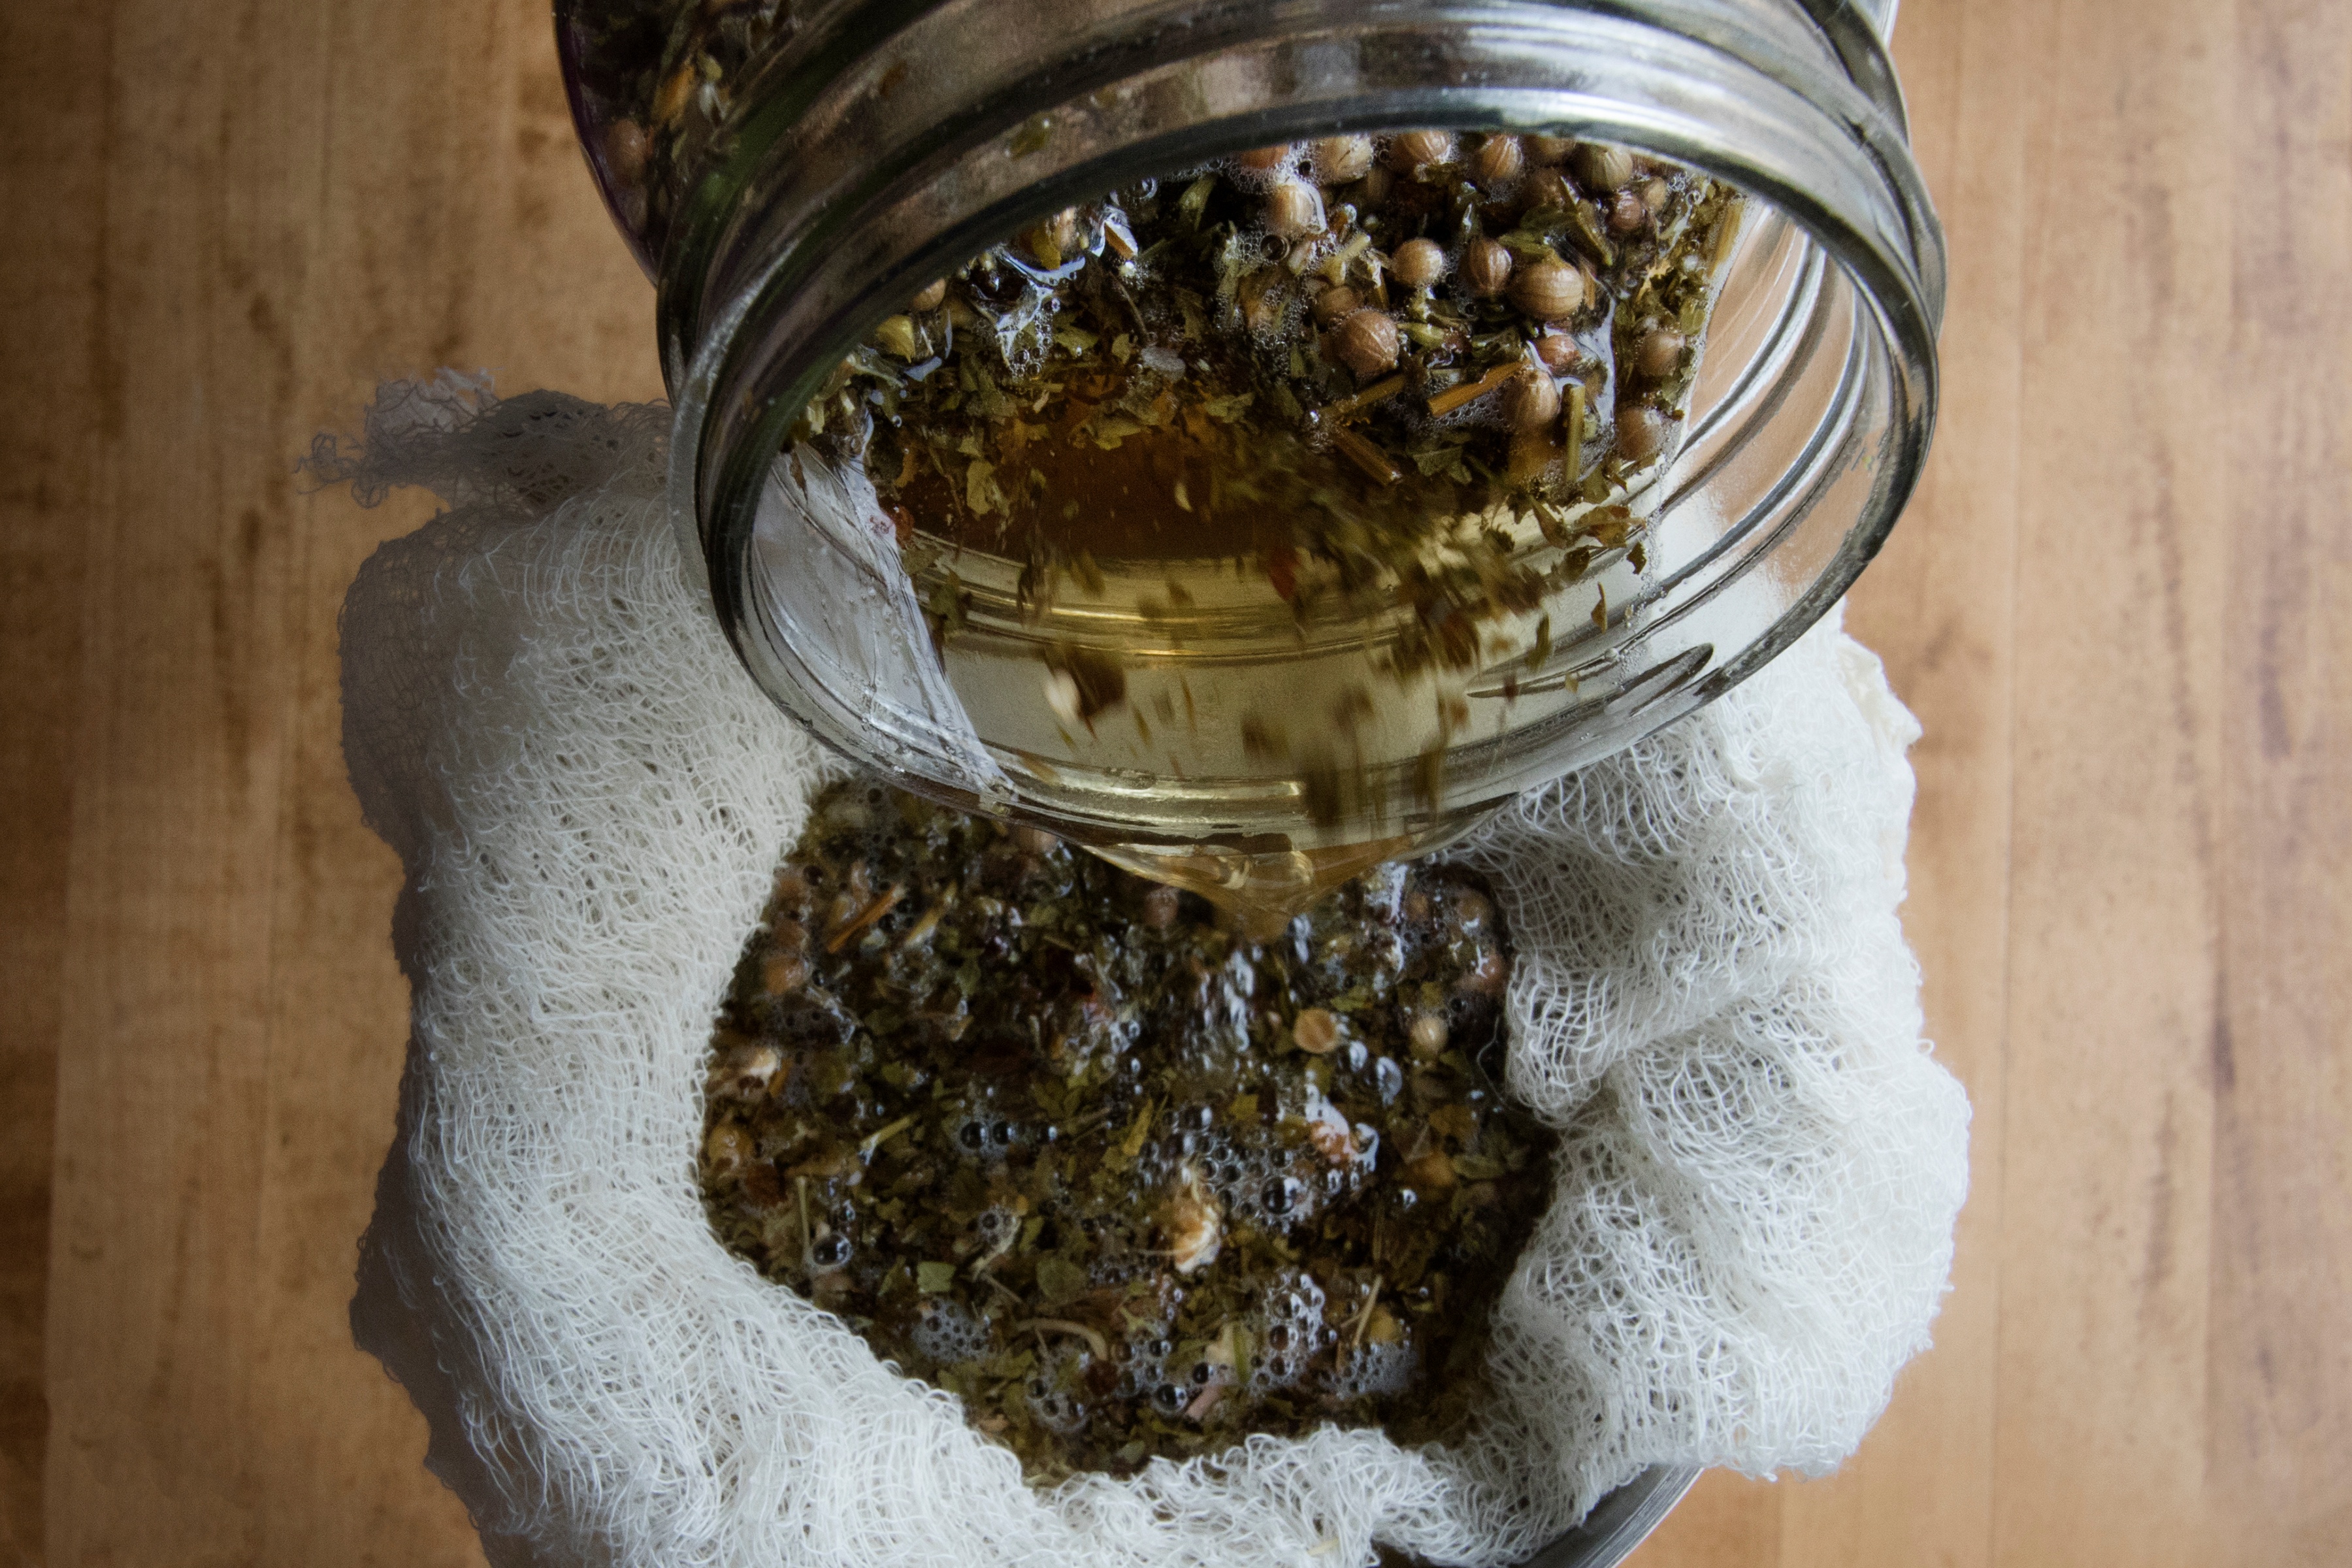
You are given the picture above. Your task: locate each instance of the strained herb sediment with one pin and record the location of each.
(1050, 1137)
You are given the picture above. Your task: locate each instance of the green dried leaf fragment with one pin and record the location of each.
(1059, 1279)
(1033, 135)
(1195, 199)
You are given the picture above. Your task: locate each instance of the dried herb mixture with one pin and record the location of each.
(1327, 359)
(1050, 1137)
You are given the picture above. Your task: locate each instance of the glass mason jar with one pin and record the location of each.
(796, 176)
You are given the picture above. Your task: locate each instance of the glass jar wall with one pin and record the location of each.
(1257, 440)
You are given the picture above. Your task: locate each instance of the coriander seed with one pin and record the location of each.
(1413, 151)
(1418, 263)
(627, 150)
(1641, 433)
(1486, 266)
(1557, 351)
(1294, 210)
(1601, 167)
(1548, 188)
(1340, 159)
(1265, 160)
(1627, 215)
(1498, 161)
(1659, 353)
(1315, 1032)
(1368, 342)
(1549, 149)
(1428, 1035)
(1530, 399)
(1549, 290)
(933, 295)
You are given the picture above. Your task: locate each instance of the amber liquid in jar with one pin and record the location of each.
(1267, 469)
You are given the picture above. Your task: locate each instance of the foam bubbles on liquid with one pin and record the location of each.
(1289, 1332)
(1374, 1368)
(947, 1333)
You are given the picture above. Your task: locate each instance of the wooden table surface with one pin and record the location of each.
(2122, 605)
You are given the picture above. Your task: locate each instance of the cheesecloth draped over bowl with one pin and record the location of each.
(1753, 1211)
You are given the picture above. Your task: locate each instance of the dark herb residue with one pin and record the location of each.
(1132, 1186)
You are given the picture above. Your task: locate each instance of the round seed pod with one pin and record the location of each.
(1549, 149)
(1315, 1032)
(1549, 290)
(1294, 210)
(1498, 161)
(933, 295)
(1655, 194)
(1557, 351)
(1429, 1035)
(627, 150)
(1601, 167)
(1336, 304)
(1641, 433)
(1548, 188)
(1627, 215)
(1486, 266)
(1530, 399)
(1340, 159)
(1418, 149)
(1265, 160)
(1418, 263)
(1658, 354)
(1367, 343)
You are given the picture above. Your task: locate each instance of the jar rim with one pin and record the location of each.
(766, 297)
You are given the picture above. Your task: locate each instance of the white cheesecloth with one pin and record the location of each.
(1753, 1218)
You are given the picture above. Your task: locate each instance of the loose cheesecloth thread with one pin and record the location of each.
(1752, 1215)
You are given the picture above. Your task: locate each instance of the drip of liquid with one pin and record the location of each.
(1263, 890)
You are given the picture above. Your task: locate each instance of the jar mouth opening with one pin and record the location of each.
(779, 271)
(791, 290)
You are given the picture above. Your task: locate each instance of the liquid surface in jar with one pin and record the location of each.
(1051, 1138)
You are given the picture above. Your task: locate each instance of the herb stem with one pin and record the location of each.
(1446, 402)
(876, 1140)
(1378, 392)
(1363, 1319)
(865, 917)
(1094, 1337)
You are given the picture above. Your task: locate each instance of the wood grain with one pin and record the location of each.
(2122, 607)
